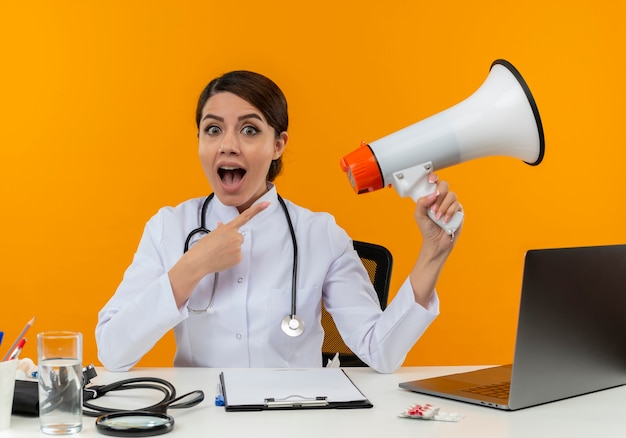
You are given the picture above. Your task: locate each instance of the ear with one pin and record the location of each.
(279, 144)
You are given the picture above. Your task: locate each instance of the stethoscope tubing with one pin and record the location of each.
(298, 326)
(294, 269)
(169, 399)
(202, 228)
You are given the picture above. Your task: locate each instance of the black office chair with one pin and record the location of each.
(378, 262)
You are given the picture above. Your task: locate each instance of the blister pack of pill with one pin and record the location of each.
(430, 412)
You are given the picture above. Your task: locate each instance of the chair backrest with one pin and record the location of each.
(378, 262)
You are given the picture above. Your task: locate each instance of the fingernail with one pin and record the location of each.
(432, 197)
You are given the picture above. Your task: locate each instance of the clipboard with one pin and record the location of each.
(256, 389)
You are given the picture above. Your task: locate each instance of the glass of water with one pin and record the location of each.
(59, 355)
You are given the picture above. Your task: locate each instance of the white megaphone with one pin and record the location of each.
(500, 118)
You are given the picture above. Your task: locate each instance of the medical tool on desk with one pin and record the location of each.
(145, 421)
(291, 325)
(500, 118)
(148, 421)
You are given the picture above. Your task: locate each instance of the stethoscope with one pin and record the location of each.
(291, 324)
(148, 421)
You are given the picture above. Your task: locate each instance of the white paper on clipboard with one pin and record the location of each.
(255, 386)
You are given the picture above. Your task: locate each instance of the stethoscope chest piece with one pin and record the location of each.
(292, 325)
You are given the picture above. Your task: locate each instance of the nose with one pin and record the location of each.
(229, 144)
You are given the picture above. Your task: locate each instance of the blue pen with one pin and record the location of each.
(1, 336)
(219, 398)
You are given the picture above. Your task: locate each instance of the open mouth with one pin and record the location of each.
(231, 175)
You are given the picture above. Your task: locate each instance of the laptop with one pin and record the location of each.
(571, 334)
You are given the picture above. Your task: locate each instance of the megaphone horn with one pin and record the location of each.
(500, 119)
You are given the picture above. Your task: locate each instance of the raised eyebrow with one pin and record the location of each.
(250, 116)
(240, 118)
(212, 116)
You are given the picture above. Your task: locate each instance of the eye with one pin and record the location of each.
(212, 130)
(249, 130)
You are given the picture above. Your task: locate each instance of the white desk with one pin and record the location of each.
(602, 414)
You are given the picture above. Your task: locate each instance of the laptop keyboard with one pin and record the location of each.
(497, 390)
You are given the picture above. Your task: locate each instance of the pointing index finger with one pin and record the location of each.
(245, 216)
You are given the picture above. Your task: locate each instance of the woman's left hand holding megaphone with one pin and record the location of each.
(439, 207)
(437, 243)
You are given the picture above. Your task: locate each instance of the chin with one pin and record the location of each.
(233, 199)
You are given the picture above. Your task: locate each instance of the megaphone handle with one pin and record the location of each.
(413, 182)
(452, 225)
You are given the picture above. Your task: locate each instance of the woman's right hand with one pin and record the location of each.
(215, 252)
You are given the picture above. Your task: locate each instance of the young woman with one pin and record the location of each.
(228, 292)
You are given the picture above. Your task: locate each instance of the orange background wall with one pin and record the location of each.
(98, 132)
